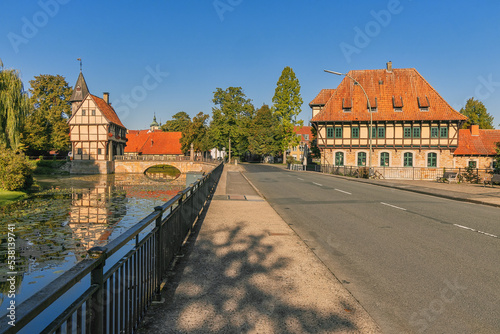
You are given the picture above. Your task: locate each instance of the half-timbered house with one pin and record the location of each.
(412, 125)
(96, 132)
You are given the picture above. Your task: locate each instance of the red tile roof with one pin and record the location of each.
(406, 84)
(322, 97)
(303, 130)
(156, 142)
(483, 144)
(107, 110)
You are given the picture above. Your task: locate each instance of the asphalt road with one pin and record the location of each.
(411, 260)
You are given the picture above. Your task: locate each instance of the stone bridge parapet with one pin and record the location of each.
(140, 166)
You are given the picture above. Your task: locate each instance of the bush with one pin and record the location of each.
(470, 175)
(16, 172)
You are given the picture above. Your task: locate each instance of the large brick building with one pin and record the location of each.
(412, 125)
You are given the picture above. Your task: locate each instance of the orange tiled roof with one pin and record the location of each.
(406, 85)
(483, 144)
(156, 142)
(303, 130)
(107, 111)
(322, 97)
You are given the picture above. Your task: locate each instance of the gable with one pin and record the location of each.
(88, 113)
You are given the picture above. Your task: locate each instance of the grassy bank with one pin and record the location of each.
(7, 197)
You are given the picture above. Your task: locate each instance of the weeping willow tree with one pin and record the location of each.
(14, 106)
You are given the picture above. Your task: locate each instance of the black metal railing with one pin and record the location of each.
(116, 300)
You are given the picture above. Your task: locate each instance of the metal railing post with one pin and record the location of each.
(97, 307)
(158, 255)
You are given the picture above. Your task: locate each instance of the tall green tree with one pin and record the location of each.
(14, 106)
(179, 123)
(477, 114)
(46, 126)
(263, 136)
(197, 134)
(287, 104)
(231, 118)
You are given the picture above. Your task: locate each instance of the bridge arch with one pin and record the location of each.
(140, 166)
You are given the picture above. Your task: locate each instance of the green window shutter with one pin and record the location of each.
(361, 159)
(374, 132)
(408, 159)
(329, 132)
(355, 132)
(416, 132)
(434, 132)
(339, 159)
(338, 132)
(432, 160)
(384, 159)
(407, 132)
(381, 132)
(444, 132)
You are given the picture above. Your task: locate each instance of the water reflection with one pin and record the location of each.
(55, 228)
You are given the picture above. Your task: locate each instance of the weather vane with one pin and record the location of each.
(80, 60)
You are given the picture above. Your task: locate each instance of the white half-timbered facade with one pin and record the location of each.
(96, 132)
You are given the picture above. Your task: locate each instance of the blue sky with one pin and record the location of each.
(168, 56)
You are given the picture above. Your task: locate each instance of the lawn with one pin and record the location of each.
(7, 197)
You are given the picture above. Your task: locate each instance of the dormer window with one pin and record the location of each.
(347, 105)
(373, 104)
(423, 103)
(397, 103)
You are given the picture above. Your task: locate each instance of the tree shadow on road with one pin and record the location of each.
(230, 281)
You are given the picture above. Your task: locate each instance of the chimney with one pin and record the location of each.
(105, 97)
(474, 130)
(389, 66)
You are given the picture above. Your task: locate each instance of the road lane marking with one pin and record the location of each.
(474, 230)
(342, 191)
(393, 206)
(300, 179)
(318, 184)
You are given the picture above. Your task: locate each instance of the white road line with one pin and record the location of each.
(300, 179)
(342, 191)
(474, 230)
(318, 184)
(393, 206)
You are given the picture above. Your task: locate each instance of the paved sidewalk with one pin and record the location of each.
(244, 270)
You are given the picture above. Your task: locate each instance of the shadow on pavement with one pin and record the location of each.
(232, 281)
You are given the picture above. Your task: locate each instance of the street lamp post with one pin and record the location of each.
(371, 117)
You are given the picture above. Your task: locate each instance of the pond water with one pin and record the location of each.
(55, 228)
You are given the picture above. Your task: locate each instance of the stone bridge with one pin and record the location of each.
(140, 166)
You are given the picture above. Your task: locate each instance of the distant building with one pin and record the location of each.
(154, 142)
(154, 125)
(476, 148)
(305, 134)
